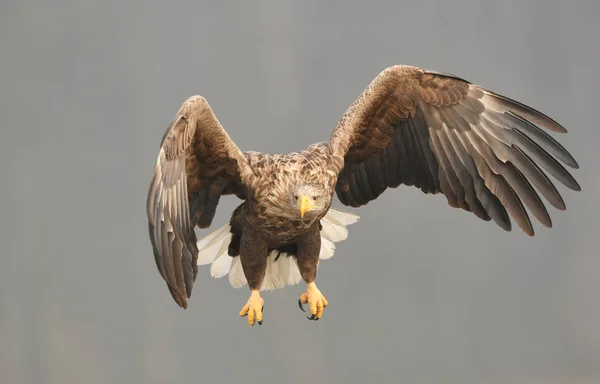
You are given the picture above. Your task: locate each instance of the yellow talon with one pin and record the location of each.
(253, 308)
(315, 299)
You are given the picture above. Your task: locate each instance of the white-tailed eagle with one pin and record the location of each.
(484, 152)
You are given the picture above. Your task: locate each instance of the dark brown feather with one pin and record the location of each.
(197, 164)
(442, 134)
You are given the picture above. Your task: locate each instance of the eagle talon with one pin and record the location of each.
(300, 305)
(254, 309)
(315, 299)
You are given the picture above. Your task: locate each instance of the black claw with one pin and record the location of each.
(300, 305)
(260, 322)
(312, 317)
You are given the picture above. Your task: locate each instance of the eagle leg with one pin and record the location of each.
(315, 299)
(253, 256)
(309, 247)
(254, 308)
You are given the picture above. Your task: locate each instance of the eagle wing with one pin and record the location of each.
(442, 134)
(196, 165)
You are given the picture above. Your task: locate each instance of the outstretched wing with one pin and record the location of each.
(196, 165)
(483, 151)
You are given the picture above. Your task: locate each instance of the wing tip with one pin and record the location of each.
(526, 227)
(575, 164)
(534, 114)
(180, 299)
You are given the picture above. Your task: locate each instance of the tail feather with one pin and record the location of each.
(237, 279)
(288, 271)
(213, 249)
(340, 217)
(222, 265)
(334, 225)
(211, 246)
(280, 273)
(327, 248)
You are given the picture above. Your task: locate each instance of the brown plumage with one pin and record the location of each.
(485, 153)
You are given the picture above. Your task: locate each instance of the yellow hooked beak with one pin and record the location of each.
(305, 204)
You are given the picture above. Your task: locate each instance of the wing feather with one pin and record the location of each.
(486, 153)
(193, 169)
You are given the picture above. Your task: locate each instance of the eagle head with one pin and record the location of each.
(309, 199)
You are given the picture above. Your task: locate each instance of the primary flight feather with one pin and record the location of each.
(484, 152)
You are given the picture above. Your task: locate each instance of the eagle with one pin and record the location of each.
(486, 153)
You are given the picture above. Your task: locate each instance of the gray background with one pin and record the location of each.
(419, 293)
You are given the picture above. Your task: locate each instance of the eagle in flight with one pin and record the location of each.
(442, 134)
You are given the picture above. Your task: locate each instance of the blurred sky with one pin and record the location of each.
(419, 293)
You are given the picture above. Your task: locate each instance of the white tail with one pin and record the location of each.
(213, 249)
